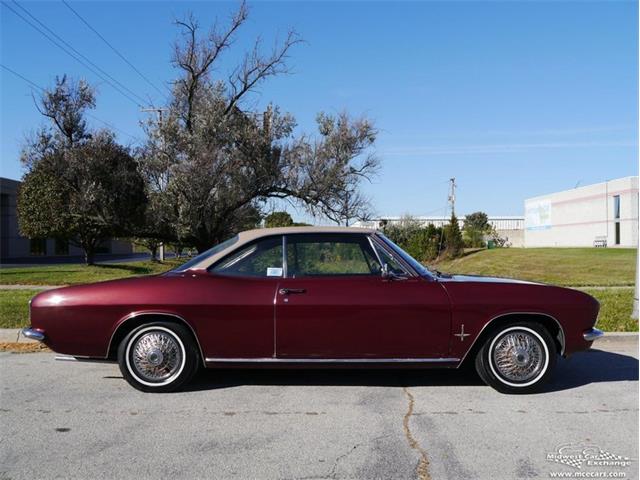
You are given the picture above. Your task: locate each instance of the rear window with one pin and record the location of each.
(206, 254)
(262, 258)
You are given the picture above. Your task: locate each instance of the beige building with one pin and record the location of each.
(14, 246)
(603, 214)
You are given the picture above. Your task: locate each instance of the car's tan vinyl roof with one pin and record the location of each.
(264, 232)
(250, 235)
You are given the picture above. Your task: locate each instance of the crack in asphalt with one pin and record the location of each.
(338, 459)
(423, 464)
(332, 474)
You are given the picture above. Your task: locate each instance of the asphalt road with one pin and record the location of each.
(71, 420)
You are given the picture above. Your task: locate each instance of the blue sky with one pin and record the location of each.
(514, 99)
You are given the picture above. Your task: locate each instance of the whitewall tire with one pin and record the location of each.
(158, 357)
(517, 358)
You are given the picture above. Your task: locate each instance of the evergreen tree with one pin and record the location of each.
(453, 238)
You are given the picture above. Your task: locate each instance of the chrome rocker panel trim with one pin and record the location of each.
(33, 334)
(71, 358)
(592, 334)
(332, 360)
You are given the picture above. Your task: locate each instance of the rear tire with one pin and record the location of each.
(158, 357)
(517, 358)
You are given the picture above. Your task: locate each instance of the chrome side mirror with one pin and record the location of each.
(384, 271)
(388, 274)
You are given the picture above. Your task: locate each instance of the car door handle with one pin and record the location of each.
(288, 291)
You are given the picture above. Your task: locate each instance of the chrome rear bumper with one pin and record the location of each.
(592, 334)
(33, 334)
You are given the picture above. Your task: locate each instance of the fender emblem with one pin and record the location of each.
(462, 334)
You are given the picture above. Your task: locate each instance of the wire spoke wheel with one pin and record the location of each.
(518, 356)
(156, 356)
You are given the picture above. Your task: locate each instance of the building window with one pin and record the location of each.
(616, 206)
(61, 247)
(616, 218)
(38, 246)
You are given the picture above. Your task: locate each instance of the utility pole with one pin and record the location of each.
(452, 195)
(158, 111)
(634, 312)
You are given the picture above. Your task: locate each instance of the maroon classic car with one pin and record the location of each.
(315, 296)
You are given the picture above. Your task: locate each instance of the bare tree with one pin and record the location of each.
(216, 162)
(65, 105)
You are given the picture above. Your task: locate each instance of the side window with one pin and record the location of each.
(259, 259)
(394, 266)
(315, 255)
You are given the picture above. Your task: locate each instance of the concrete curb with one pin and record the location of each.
(12, 335)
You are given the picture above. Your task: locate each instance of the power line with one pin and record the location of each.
(35, 85)
(88, 60)
(23, 78)
(115, 50)
(112, 126)
(64, 49)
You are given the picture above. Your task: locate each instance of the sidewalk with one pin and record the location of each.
(30, 287)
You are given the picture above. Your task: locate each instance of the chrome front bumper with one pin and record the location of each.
(592, 334)
(33, 334)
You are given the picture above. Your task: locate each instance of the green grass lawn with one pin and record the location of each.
(615, 309)
(14, 308)
(70, 274)
(559, 266)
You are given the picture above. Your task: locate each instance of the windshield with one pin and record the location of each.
(417, 266)
(206, 254)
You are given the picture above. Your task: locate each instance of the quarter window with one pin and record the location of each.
(327, 255)
(259, 259)
(393, 265)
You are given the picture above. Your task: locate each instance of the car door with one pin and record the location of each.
(334, 303)
(239, 302)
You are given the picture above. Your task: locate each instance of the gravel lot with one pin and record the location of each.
(72, 420)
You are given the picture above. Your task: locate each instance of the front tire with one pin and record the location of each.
(158, 357)
(517, 358)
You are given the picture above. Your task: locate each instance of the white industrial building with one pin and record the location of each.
(509, 227)
(603, 214)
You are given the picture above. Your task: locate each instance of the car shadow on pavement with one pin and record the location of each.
(583, 368)
(592, 366)
(342, 376)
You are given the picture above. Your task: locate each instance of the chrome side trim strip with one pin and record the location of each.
(80, 358)
(33, 334)
(593, 334)
(66, 358)
(332, 360)
(159, 314)
(561, 330)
